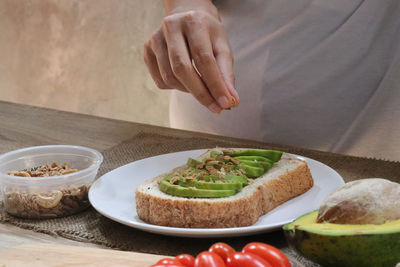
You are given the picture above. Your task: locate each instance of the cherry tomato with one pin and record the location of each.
(186, 260)
(222, 249)
(208, 259)
(166, 265)
(169, 261)
(240, 259)
(268, 253)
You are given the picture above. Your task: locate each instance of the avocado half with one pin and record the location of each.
(344, 244)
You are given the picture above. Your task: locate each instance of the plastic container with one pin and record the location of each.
(53, 196)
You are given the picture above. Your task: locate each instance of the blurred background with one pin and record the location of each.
(81, 56)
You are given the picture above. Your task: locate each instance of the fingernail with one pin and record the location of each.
(233, 102)
(235, 95)
(233, 91)
(214, 108)
(224, 102)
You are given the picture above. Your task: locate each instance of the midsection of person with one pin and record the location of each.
(309, 74)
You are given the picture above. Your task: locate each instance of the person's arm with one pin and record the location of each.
(192, 30)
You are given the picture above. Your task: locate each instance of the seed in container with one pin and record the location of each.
(46, 170)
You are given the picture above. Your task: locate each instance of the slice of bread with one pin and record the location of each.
(285, 180)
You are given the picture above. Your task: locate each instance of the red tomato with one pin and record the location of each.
(222, 249)
(186, 259)
(169, 261)
(166, 265)
(268, 253)
(240, 259)
(208, 259)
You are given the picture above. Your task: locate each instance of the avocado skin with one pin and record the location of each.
(334, 249)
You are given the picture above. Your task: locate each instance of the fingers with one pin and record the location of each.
(152, 65)
(193, 36)
(225, 66)
(182, 67)
(224, 58)
(159, 47)
(201, 51)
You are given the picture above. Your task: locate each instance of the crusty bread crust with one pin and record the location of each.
(245, 210)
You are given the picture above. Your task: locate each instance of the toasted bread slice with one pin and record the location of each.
(285, 180)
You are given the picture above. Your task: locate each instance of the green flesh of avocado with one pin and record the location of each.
(196, 180)
(209, 185)
(180, 191)
(214, 154)
(344, 244)
(250, 171)
(261, 164)
(192, 163)
(237, 179)
(272, 155)
(254, 159)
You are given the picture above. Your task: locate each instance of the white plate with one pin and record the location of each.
(113, 195)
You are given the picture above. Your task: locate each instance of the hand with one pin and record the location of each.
(196, 35)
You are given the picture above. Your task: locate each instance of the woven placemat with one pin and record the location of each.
(90, 226)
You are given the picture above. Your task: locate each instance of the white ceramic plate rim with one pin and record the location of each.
(197, 232)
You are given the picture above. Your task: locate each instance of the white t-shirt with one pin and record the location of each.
(316, 74)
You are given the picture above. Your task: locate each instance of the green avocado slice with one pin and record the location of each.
(180, 191)
(212, 186)
(231, 178)
(192, 163)
(250, 171)
(255, 158)
(261, 164)
(217, 175)
(214, 153)
(345, 245)
(237, 179)
(273, 155)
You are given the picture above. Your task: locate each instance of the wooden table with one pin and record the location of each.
(24, 126)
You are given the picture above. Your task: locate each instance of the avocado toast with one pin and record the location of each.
(222, 188)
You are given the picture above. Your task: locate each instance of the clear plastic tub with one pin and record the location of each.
(53, 196)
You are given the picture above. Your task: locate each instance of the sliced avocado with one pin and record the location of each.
(180, 191)
(345, 244)
(211, 178)
(250, 171)
(232, 178)
(214, 153)
(198, 182)
(215, 165)
(255, 159)
(273, 155)
(237, 178)
(261, 164)
(192, 162)
(209, 185)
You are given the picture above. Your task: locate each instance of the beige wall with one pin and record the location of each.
(82, 56)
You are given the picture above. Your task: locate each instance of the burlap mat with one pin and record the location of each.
(90, 226)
